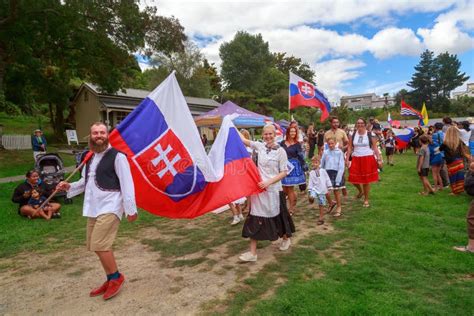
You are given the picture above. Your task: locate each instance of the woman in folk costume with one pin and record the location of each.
(295, 156)
(454, 150)
(365, 160)
(268, 218)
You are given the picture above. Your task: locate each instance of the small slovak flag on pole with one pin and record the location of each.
(304, 93)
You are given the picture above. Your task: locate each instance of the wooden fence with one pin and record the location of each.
(16, 141)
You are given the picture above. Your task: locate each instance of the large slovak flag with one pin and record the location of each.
(403, 136)
(304, 93)
(173, 175)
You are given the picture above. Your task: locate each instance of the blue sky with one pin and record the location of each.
(355, 46)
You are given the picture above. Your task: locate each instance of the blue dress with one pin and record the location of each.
(296, 158)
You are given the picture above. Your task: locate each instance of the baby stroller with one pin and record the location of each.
(52, 172)
(80, 156)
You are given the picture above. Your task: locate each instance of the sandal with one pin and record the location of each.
(338, 214)
(331, 208)
(320, 222)
(463, 249)
(423, 193)
(358, 196)
(366, 204)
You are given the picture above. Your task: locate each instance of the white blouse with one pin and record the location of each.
(270, 163)
(361, 145)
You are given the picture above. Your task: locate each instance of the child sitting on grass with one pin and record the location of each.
(423, 165)
(35, 202)
(319, 184)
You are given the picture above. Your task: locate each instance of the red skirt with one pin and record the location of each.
(363, 170)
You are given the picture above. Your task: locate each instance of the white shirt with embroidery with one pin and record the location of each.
(98, 202)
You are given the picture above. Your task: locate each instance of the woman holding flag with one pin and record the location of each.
(268, 218)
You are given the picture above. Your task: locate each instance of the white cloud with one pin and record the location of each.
(393, 41)
(391, 88)
(446, 36)
(462, 14)
(222, 17)
(331, 76)
(302, 29)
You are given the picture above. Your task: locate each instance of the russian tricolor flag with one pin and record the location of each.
(403, 136)
(304, 93)
(173, 175)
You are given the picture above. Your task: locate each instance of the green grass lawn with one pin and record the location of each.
(392, 258)
(18, 162)
(24, 125)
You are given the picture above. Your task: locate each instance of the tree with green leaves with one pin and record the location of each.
(193, 72)
(285, 64)
(422, 81)
(448, 75)
(48, 44)
(246, 61)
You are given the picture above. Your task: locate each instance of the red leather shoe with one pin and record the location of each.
(114, 287)
(100, 290)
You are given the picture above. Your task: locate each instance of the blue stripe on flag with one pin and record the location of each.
(294, 89)
(234, 148)
(182, 183)
(141, 127)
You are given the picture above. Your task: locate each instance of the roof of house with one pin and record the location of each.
(358, 96)
(140, 94)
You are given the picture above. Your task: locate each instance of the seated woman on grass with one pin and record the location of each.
(23, 194)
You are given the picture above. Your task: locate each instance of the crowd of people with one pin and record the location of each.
(109, 191)
(442, 148)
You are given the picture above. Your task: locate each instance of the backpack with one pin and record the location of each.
(369, 135)
(436, 156)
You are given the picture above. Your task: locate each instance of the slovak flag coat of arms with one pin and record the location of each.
(172, 174)
(304, 93)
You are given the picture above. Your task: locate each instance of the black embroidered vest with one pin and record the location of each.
(105, 177)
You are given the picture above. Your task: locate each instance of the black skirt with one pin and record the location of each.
(269, 228)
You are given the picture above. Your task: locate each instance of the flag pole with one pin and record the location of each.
(86, 159)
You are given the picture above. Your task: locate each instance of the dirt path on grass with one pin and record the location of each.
(58, 284)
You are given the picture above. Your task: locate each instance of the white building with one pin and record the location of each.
(367, 101)
(468, 92)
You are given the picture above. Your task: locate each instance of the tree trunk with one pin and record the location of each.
(56, 115)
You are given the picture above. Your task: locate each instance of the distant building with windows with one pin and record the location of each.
(90, 105)
(367, 101)
(468, 92)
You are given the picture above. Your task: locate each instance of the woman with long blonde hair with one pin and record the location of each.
(454, 150)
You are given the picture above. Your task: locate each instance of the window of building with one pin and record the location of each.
(119, 117)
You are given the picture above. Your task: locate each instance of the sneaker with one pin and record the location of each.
(248, 257)
(277, 242)
(285, 244)
(114, 287)
(241, 217)
(56, 215)
(99, 290)
(235, 221)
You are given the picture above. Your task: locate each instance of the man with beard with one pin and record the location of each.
(337, 134)
(109, 193)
